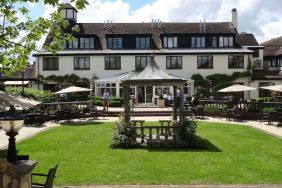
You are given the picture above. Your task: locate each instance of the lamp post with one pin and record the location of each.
(11, 123)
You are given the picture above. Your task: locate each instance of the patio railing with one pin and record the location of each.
(154, 132)
(254, 105)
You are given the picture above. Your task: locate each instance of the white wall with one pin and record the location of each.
(97, 66)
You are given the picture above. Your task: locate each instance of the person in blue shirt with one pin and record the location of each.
(106, 96)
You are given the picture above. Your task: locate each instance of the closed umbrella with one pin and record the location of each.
(72, 89)
(273, 88)
(237, 88)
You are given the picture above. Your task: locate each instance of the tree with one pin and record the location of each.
(19, 33)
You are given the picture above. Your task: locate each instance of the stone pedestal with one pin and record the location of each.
(160, 103)
(16, 175)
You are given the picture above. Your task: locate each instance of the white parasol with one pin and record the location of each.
(237, 88)
(273, 88)
(72, 89)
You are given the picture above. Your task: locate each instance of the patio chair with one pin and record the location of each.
(49, 178)
(237, 114)
(273, 116)
(200, 112)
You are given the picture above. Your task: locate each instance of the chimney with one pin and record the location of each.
(234, 18)
(205, 25)
(200, 26)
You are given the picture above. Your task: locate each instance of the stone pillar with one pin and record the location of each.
(181, 105)
(16, 175)
(175, 103)
(126, 90)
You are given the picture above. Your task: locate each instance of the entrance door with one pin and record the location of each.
(149, 94)
(140, 94)
(144, 94)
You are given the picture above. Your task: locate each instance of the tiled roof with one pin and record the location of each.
(165, 28)
(246, 39)
(101, 32)
(29, 74)
(273, 47)
(67, 5)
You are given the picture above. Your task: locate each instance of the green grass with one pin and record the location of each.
(240, 155)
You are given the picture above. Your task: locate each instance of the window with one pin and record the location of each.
(198, 42)
(235, 61)
(114, 43)
(141, 62)
(111, 87)
(73, 43)
(225, 41)
(173, 62)
(144, 42)
(205, 62)
(188, 89)
(68, 13)
(86, 42)
(82, 42)
(214, 42)
(50, 63)
(170, 42)
(112, 63)
(81, 63)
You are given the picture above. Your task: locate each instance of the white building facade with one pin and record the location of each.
(106, 53)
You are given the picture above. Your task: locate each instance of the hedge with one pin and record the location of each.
(35, 94)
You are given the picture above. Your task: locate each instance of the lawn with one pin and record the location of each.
(238, 155)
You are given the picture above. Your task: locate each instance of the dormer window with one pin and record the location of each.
(69, 13)
(73, 43)
(114, 42)
(198, 42)
(143, 42)
(225, 41)
(170, 42)
(81, 43)
(86, 42)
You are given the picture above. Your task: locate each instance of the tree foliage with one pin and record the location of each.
(19, 33)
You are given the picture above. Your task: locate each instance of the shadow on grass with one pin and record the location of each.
(81, 123)
(198, 145)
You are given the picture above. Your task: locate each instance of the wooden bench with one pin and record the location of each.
(134, 122)
(165, 121)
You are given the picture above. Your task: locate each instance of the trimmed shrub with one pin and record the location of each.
(187, 130)
(113, 101)
(78, 97)
(124, 136)
(35, 94)
(267, 110)
(210, 108)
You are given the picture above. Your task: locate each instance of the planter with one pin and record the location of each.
(131, 103)
(160, 103)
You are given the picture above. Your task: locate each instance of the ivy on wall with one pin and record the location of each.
(217, 79)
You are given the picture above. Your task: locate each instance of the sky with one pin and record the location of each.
(263, 18)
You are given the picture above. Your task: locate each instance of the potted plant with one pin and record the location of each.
(161, 101)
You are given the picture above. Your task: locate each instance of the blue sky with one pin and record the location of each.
(259, 17)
